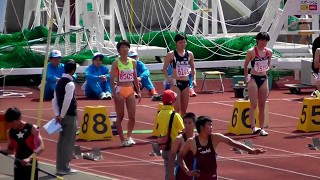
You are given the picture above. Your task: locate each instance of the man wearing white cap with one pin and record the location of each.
(55, 69)
(98, 79)
(143, 73)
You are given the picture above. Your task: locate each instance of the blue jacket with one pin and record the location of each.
(54, 72)
(142, 70)
(92, 73)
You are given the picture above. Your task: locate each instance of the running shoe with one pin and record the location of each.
(126, 143)
(131, 140)
(103, 96)
(153, 92)
(192, 93)
(263, 133)
(255, 130)
(108, 96)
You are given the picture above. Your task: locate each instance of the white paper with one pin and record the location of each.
(52, 126)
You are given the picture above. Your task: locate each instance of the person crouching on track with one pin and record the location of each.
(180, 59)
(257, 81)
(23, 138)
(124, 69)
(164, 117)
(204, 149)
(189, 121)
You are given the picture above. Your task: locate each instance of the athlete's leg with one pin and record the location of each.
(253, 94)
(131, 108)
(184, 101)
(262, 97)
(119, 107)
(177, 104)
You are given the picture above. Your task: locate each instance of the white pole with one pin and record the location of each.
(3, 6)
(315, 25)
(214, 17)
(223, 24)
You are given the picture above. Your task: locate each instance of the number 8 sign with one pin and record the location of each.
(95, 124)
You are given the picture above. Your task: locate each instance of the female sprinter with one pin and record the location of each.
(257, 81)
(180, 60)
(124, 69)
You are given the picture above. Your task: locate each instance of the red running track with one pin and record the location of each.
(286, 158)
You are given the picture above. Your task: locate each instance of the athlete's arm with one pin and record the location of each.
(37, 140)
(249, 58)
(316, 59)
(174, 149)
(193, 69)
(167, 61)
(270, 56)
(217, 138)
(135, 79)
(189, 145)
(112, 76)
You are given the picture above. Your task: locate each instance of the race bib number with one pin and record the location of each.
(261, 66)
(182, 70)
(126, 75)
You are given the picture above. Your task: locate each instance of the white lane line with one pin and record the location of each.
(274, 168)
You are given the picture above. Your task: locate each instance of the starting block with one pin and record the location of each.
(315, 145)
(155, 150)
(96, 156)
(240, 121)
(77, 152)
(247, 142)
(309, 119)
(155, 131)
(95, 124)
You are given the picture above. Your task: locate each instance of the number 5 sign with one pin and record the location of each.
(95, 124)
(309, 119)
(240, 121)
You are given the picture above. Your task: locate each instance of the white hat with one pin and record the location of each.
(97, 54)
(55, 54)
(132, 52)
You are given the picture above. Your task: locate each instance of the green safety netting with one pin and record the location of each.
(18, 49)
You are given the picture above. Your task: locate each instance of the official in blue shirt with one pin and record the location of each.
(55, 69)
(143, 74)
(98, 79)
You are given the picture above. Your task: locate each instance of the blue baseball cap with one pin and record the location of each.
(97, 54)
(55, 54)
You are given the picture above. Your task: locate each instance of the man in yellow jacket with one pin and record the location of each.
(163, 118)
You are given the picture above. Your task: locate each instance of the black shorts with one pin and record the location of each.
(24, 172)
(183, 84)
(259, 79)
